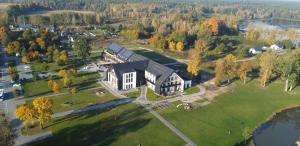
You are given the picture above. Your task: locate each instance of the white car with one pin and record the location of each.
(27, 67)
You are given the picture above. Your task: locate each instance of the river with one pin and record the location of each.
(282, 130)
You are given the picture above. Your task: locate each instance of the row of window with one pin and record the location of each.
(129, 86)
(171, 83)
(129, 75)
(150, 76)
(129, 78)
(172, 89)
(172, 79)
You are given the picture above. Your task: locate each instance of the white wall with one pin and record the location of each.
(129, 80)
(112, 80)
(174, 79)
(187, 84)
(149, 76)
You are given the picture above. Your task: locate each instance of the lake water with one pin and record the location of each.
(282, 130)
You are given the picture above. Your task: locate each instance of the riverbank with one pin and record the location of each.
(280, 129)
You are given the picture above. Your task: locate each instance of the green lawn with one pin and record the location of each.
(134, 94)
(155, 56)
(83, 80)
(245, 106)
(53, 67)
(126, 125)
(79, 100)
(191, 90)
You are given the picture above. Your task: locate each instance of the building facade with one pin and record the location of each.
(133, 70)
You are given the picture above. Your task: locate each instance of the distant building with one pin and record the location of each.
(134, 70)
(255, 51)
(276, 47)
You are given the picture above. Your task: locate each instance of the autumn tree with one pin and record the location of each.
(194, 64)
(50, 84)
(213, 24)
(13, 47)
(201, 45)
(25, 113)
(56, 87)
(4, 35)
(292, 34)
(179, 46)
(253, 34)
(25, 59)
(132, 34)
(27, 35)
(244, 69)
(154, 39)
(56, 55)
(67, 81)
(43, 107)
(172, 45)
(230, 67)
(72, 72)
(219, 72)
(64, 58)
(267, 66)
(272, 37)
(41, 42)
(62, 73)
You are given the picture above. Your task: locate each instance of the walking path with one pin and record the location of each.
(172, 128)
(143, 100)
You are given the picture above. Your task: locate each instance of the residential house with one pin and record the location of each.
(255, 51)
(276, 47)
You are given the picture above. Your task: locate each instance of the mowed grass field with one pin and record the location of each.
(222, 122)
(82, 81)
(125, 125)
(3, 6)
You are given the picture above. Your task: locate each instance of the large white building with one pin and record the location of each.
(134, 70)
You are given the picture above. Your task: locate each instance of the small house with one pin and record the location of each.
(276, 47)
(255, 51)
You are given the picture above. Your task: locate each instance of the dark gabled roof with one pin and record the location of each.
(160, 71)
(114, 48)
(122, 68)
(136, 57)
(184, 75)
(124, 54)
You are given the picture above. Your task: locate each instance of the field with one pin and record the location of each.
(3, 6)
(224, 121)
(51, 12)
(79, 100)
(126, 125)
(82, 81)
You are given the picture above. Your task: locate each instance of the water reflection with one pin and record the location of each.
(282, 130)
